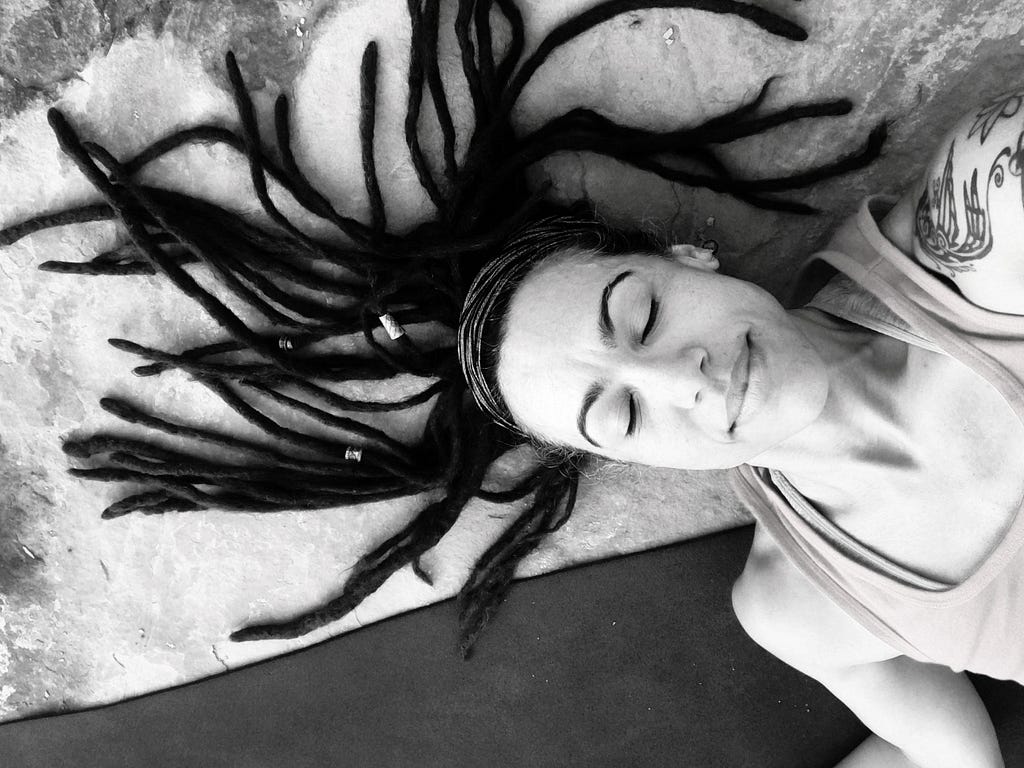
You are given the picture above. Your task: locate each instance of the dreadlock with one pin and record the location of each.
(378, 280)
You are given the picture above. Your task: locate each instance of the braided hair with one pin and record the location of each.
(380, 285)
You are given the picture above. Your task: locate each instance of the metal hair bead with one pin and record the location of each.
(391, 326)
(353, 454)
(285, 343)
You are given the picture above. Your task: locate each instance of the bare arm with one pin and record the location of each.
(922, 715)
(875, 752)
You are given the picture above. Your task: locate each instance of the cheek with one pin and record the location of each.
(690, 454)
(712, 308)
(675, 443)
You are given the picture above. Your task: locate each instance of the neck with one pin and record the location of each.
(861, 422)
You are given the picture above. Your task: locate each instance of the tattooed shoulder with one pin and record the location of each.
(1006, 105)
(969, 219)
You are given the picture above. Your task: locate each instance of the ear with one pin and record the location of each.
(692, 256)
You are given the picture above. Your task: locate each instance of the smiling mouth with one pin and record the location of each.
(738, 382)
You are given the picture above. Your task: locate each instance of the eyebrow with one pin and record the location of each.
(589, 399)
(605, 327)
(606, 330)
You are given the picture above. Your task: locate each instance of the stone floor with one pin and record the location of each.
(94, 611)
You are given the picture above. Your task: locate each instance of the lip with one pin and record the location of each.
(739, 379)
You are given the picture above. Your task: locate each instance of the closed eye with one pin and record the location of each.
(652, 318)
(634, 416)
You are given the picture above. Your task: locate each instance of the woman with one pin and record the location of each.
(871, 429)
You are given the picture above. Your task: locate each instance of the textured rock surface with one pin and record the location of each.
(92, 612)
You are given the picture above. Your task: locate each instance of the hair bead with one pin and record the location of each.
(394, 330)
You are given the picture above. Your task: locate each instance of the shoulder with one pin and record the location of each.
(791, 618)
(926, 710)
(967, 210)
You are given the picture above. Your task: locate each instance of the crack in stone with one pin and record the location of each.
(46, 88)
(583, 176)
(216, 655)
(679, 210)
(16, 82)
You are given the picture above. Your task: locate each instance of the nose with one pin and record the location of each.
(681, 376)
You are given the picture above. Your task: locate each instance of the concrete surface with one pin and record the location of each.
(94, 611)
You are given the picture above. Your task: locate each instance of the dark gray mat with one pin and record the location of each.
(636, 661)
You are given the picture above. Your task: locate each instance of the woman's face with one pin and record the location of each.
(657, 360)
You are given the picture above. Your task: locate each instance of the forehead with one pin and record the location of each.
(573, 278)
(546, 363)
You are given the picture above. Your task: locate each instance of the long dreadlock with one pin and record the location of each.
(379, 279)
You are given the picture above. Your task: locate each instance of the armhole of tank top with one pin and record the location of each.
(843, 298)
(753, 485)
(847, 545)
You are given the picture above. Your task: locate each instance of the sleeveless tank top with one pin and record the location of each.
(977, 624)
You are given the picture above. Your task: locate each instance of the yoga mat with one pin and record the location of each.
(632, 661)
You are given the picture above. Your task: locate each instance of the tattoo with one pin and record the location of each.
(1005, 105)
(937, 223)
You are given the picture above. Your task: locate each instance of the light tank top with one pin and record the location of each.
(977, 624)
